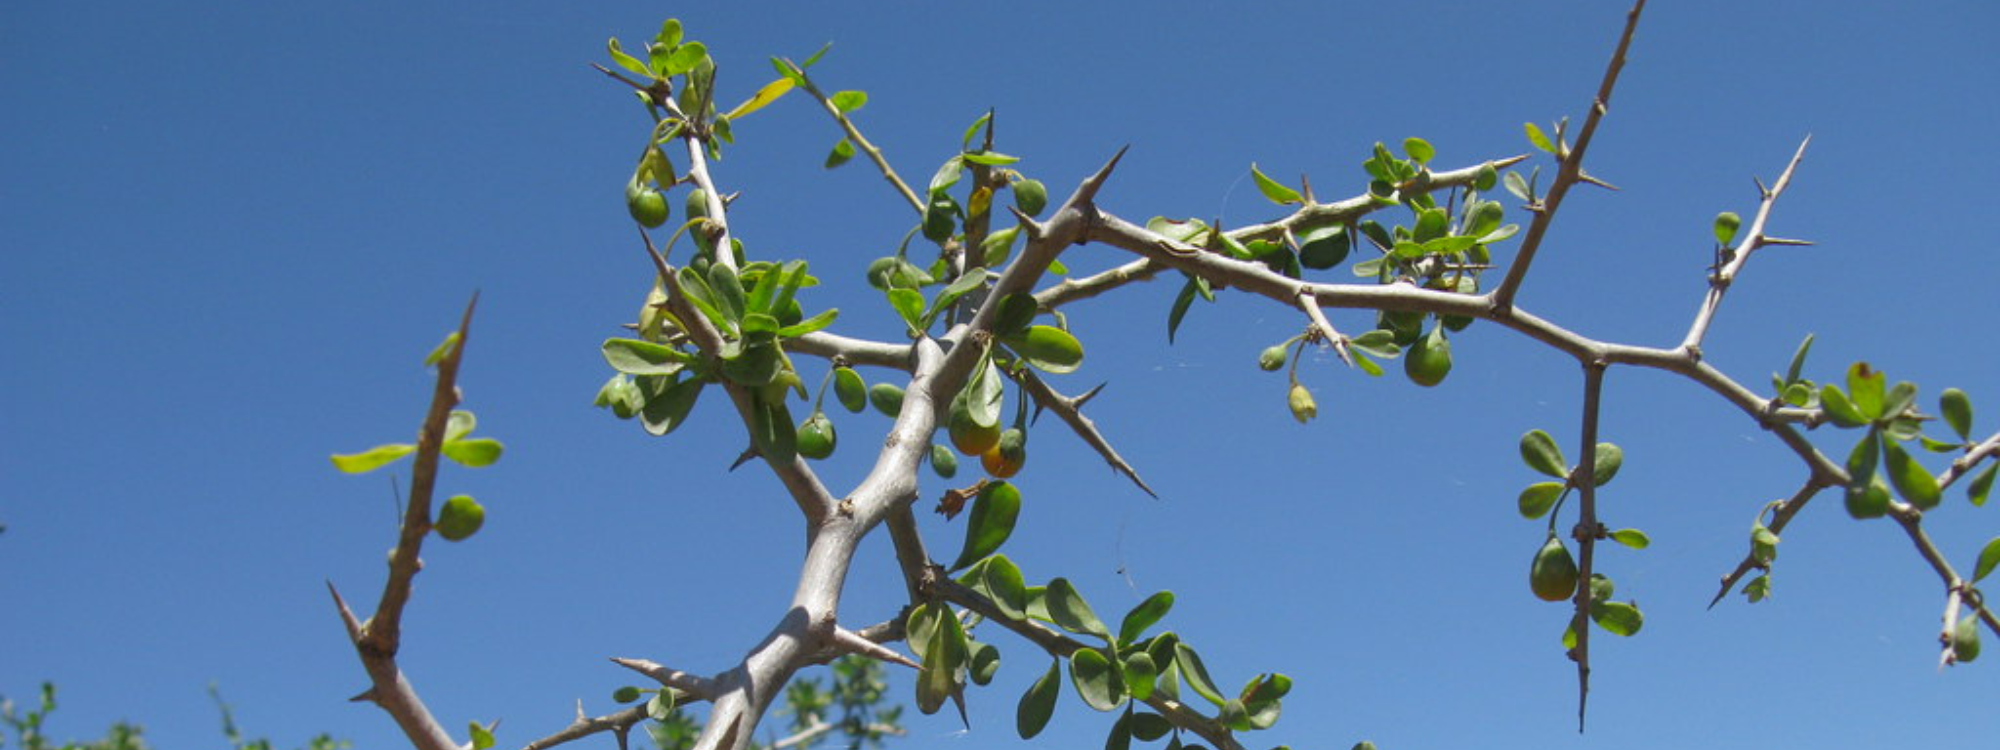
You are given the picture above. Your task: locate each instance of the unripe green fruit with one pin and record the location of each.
(646, 205)
(1553, 575)
(1429, 360)
(460, 518)
(944, 461)
(815, 437)
(1868, 502)
(1030, 196)
(1965, 638)
(697, 203)
(1273, 358)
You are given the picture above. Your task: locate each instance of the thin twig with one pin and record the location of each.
(1570, 171)
(1070, 410)
(860, 141)
(1587, 532)
(1718, 284)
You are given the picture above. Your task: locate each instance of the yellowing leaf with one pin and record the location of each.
(372, 459)
(764, 96)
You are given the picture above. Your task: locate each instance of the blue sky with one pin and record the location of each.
(231, 233)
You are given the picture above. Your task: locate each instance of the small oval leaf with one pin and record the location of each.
(1539, 452)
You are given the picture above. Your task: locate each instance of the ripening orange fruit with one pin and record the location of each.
(1007, 456)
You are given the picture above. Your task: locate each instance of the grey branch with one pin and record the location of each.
(1070, 410)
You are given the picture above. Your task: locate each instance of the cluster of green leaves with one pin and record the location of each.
(28, 732)
(1129, 668)
(460, 516)
(1879, 462)
(850, 708)
(1553, 574)
(661, 375)
(1444, 247)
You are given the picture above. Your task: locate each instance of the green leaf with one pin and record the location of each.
(1101, 686)
(984, 662)
(1981, 485)
(1518, 186)
(965, 144)
(848, 101)
(1538, 498)
(1799, 360)
(1633, 538)
(1621, 618)
(1910, 478)
(773, 431)
(1195, 673)
(1182, 302)
(1278, 194)
(1609, 458)
(1838, 408)
(1957, 410)
(660, 707)
(442, 350)
(909, 303)
(1539, 452)
(458, 424)
(1144, 616)
(474, 452)
(1262, 699)
(983, 395)
(842, 151)
(634, 357)
(482, 738)
(1070, 612)
(1758, 589)
(1323, 248)
(728, 291)
(685, 58)
(947, 175)
(371, 459)
(1536, 138)
(973, 279)
(1896, 403)
(1047, 348)
(1140, 672)
(944, 658)
(1862, 459)
(626, 61)
(1379, 342)
(1988, 559)
(1006, 587)
(990, 158)
(991, 522)
(1121, 733)
(1017, 312)
(1726, 224)
(1868, 389)
(1039, 703)
(1432, 223)
(1419, 149)
(670, 33)
(668, 409)
(1868, 501)
(809, 325)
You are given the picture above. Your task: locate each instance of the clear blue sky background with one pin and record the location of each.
(231, 232)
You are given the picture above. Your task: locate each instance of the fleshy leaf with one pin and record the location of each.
(1278, 194)
(1981, 485)
(1145, 615)
(1101, 686)
(1048, 348)
(1988, 559)
(1609, 458)
(635, 357)
(1069, 611)
(1957, 410)
(1910, 478)
(1195, 674)
(1540, 452)
(372, 459)
(848, 101)
(1536, 500)
(1633, 538)
(474, 452)
(991, 522)
(1039, 703)
(1621, 618)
